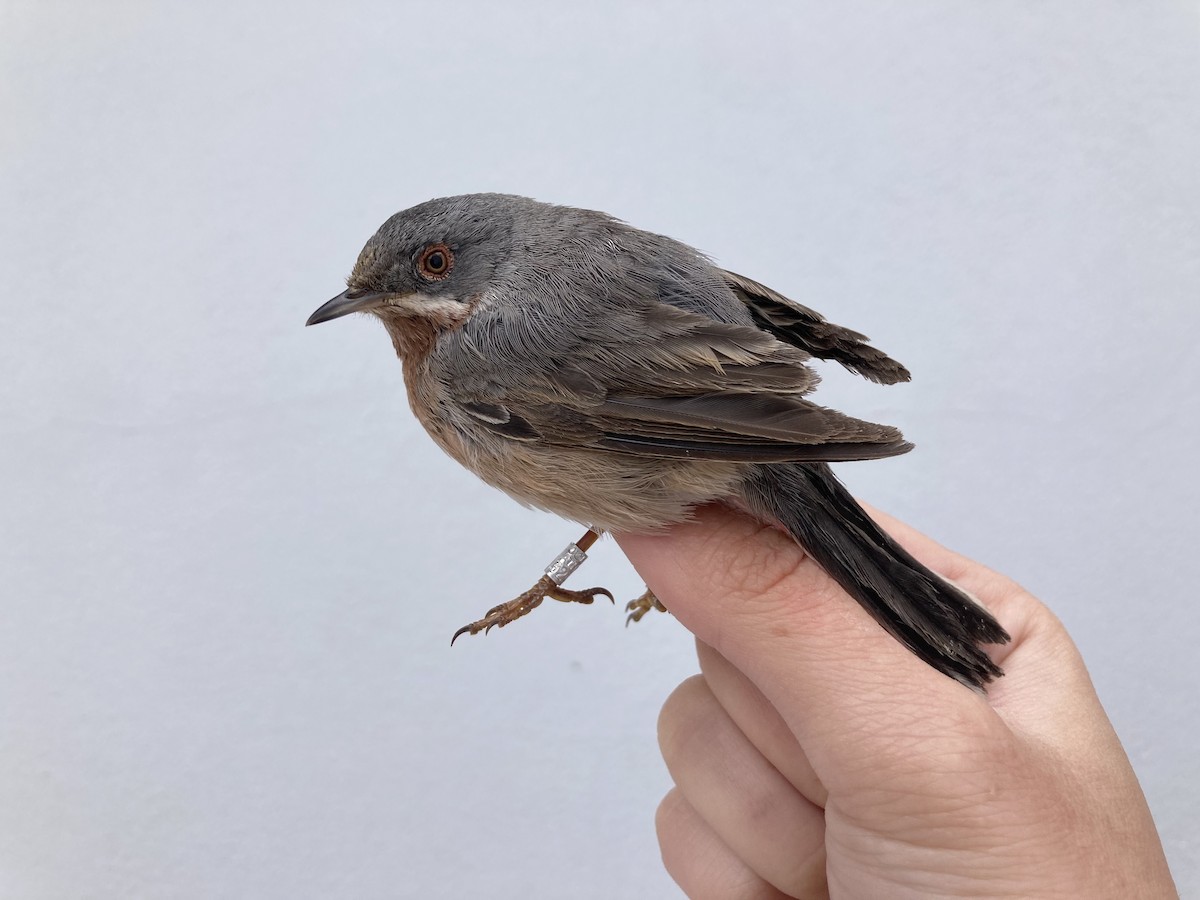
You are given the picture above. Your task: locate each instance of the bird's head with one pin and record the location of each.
(427, 267)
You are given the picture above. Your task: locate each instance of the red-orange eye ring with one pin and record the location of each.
(435, 262)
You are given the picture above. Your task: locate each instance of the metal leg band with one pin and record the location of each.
(565, 563)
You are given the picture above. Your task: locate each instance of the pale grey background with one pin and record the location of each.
(230, 560)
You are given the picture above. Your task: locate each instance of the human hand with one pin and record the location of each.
(815, 756)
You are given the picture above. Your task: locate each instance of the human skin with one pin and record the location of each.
(814, 756)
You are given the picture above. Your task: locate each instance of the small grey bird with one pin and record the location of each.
(618, 378)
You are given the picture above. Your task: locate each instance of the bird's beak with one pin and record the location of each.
(346, 302)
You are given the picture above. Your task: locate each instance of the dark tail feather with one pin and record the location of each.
(936, 620)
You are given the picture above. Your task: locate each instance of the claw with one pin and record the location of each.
(499, 616)
(642, 605)
(547, 586)
(586, 597)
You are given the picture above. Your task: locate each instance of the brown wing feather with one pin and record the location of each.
(745, 427)
(723, 427)
(804, 328)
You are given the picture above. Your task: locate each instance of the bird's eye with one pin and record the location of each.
(435, 262)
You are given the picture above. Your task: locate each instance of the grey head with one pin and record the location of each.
(429, 260)
(435, 260)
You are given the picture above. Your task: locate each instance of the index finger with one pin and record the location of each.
(848, 690)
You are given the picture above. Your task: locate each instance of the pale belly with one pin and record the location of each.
(601, 489)
(608, 491)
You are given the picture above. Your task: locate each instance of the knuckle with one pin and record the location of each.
(683, 717)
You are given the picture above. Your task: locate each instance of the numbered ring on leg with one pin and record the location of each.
(565, 563)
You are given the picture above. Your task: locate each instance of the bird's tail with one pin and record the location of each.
(939, 622)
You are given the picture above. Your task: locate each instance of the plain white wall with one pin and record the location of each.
(230, 561)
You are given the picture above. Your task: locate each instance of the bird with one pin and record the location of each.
(621, 379)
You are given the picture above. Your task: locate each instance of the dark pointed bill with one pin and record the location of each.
(347, 302)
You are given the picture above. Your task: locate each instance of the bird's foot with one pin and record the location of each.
(642, 605)
(499, 616)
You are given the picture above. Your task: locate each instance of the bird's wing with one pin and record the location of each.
(742, 427)
(804, 328)
(687, 387)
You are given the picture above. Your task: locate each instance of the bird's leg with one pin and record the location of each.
(549, 585)
(642, 605)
